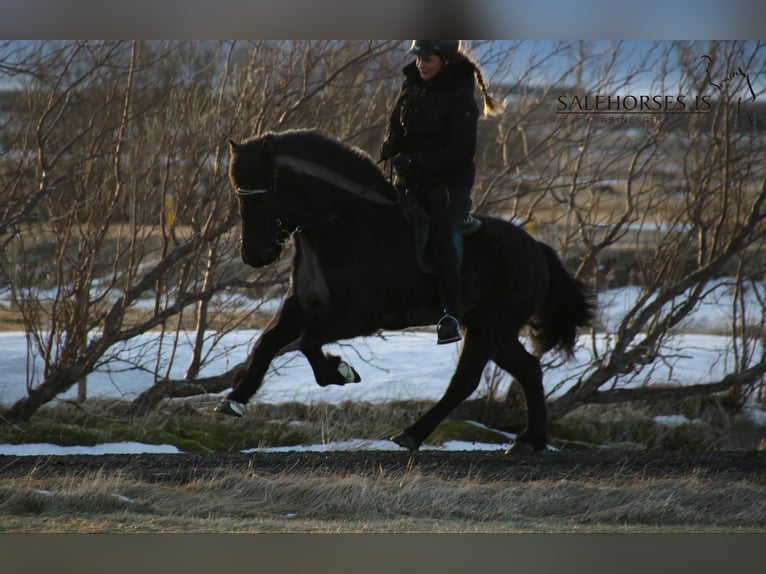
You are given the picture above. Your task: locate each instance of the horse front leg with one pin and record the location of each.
(465, 380)
(284, 329)
(328, 369)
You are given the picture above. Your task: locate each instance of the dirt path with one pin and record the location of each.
(430, 491)
(585, 465)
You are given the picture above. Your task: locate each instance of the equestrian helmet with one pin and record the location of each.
(443, 48)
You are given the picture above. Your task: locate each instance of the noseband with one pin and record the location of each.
(282, 235)
(248, 192)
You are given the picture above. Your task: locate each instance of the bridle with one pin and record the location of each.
(282, 235)
(248, 192)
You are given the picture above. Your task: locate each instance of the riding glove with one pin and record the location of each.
(403, 162)
(387, 151)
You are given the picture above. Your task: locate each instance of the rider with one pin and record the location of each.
(431, 141)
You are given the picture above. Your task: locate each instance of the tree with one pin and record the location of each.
(120, 224)
(132, 227)
(671, 202)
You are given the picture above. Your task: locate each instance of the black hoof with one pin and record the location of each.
(231, 408)
(406, 441)
(521, 448)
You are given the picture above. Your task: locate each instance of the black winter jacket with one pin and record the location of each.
(435, 123)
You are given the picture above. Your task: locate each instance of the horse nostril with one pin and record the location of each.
(248, 258)
(260, 258)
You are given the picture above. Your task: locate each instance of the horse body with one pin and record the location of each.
(357, 279)
(355, 272)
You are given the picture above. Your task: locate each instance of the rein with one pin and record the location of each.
(306, 168)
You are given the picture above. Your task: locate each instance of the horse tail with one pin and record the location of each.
(569, 304)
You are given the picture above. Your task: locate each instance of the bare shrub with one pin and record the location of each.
(119, 221)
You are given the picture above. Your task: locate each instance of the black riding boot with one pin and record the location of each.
(446, 248)
(448, 327)
(446, 208)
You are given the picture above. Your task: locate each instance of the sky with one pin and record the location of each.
(545, 61)
(336, 19)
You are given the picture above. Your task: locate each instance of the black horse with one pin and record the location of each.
(355, 272)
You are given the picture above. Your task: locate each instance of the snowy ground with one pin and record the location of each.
(393, 366)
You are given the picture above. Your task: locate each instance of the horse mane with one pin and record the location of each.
(347, 160)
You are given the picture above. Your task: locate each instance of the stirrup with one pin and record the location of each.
(447, 330)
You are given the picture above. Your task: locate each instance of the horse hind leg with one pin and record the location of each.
(465, 380)
(525, 368)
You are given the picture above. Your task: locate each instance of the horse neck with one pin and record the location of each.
(309, 202)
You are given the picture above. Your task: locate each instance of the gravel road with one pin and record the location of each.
(586, 465)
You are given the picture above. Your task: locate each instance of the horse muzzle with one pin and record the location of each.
(259, 257)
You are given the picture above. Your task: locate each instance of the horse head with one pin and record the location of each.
(252, 175)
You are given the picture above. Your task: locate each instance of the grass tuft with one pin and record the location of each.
(405, 501)
(192, 426)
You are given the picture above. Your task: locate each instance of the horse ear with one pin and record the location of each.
(268, 147)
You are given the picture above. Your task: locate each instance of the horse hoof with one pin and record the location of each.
(520, 448)
(348, 372)
(231, 408)
(406, 441)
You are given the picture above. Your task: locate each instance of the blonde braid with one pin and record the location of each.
(492, 106)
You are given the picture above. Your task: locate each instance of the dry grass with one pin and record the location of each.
(380, 500)
(408, 502)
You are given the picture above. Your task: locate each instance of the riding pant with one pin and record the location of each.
(445, 242)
